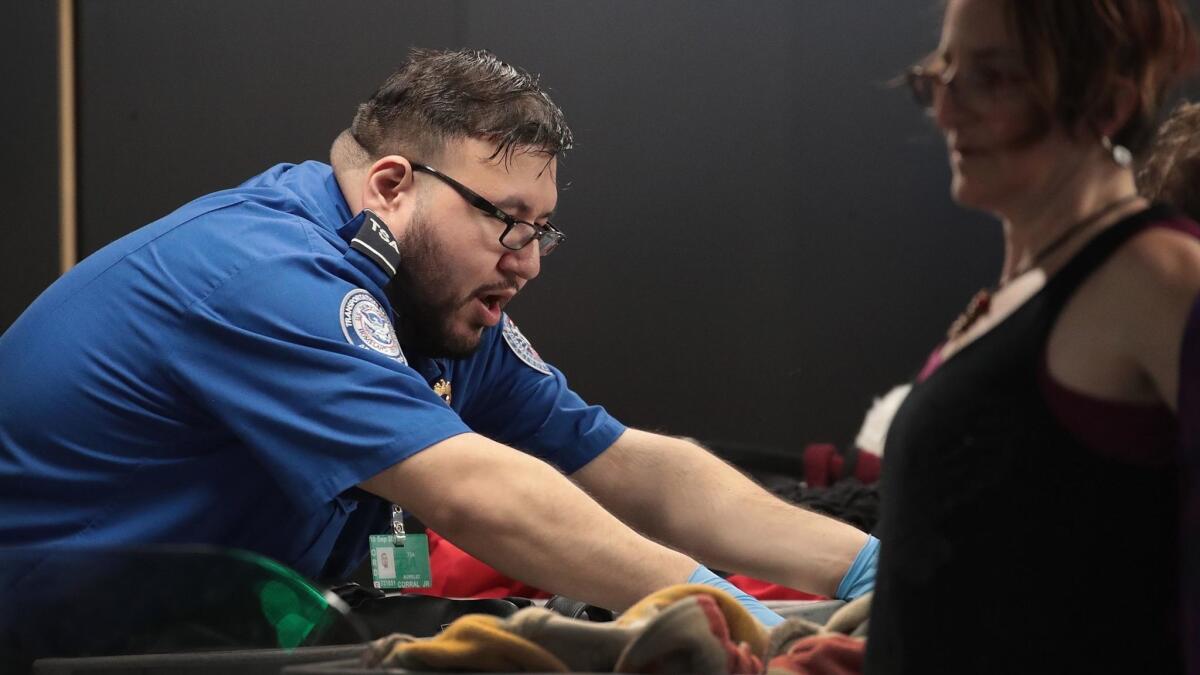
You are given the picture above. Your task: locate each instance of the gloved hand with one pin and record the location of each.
(759, 611)
(860, 578)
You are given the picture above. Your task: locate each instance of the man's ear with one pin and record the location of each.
(389, 187)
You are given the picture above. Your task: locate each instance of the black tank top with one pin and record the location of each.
(1009, 547)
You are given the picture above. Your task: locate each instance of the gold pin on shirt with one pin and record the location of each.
(442, 389)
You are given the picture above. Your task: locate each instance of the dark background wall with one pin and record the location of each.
(760, 234)
(28, 154)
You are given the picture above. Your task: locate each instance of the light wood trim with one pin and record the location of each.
(68, 246)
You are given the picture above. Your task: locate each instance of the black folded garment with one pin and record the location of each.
(381, 614)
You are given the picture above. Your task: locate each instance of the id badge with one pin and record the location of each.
(400, 566)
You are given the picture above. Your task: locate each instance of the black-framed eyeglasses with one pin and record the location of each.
(517, 234)
(976, 89)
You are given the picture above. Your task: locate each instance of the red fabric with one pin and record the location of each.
(932, 363)
(821, 655)
(741, 658)
(458, 575)
(822, 464)
(869, 467)
(765, 590)
(1138, 433)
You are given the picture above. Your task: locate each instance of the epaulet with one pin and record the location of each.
(375, 241)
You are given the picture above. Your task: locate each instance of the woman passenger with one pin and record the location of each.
(1032, 503)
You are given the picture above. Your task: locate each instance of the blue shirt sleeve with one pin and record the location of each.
(519, 400)
(266, 355)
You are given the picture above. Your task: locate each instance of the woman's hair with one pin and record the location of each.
(1170, 171)
(1078, 50)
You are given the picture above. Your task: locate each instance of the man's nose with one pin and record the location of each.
(525, 263)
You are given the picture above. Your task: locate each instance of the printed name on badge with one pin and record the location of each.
(365, 323)
(521, 347)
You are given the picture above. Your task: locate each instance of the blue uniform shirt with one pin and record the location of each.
(228, 374)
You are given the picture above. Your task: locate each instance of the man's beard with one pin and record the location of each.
(419, 291)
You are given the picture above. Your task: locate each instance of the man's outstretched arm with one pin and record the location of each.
(680, 494)
(527, 520)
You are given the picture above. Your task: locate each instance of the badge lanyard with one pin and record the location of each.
(397, 525)
(400, 560)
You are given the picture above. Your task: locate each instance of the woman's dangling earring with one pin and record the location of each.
(1120, 154)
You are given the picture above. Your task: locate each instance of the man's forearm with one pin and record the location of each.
(684, 496)
(770, 540)
(528, 521)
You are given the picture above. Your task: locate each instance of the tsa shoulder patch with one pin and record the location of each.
(521, 347)
(365, 324)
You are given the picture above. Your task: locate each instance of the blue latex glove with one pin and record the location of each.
(759, 611)
(860, 578)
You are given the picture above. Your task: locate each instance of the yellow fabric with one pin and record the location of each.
(667, 631)
(682, 639)
(581, 645)
(743, 627)
(852, 618)
(476, 642)
(380, 650)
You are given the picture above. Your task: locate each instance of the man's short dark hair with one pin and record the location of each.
(440, 96)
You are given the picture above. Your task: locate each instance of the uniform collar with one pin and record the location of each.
(367, 235)
(315, 185)
(372, 249)
(334, 208)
